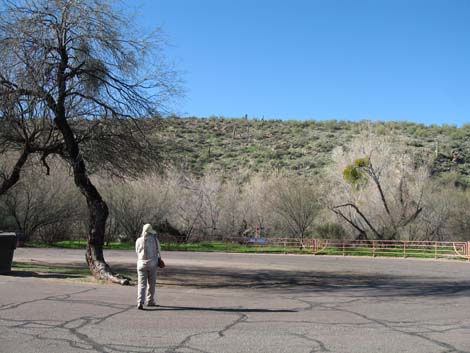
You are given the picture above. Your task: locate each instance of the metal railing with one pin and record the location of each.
(374, 248)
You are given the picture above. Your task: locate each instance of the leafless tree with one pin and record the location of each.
(232, 213)
(135, 202)
(448, 218)
(377, 187)
(42, 205)
(257, 199)
(212, 189)
(297, 201)
(85, 65)
(188, 206)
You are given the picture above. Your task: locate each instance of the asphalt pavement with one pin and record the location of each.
(218, 303)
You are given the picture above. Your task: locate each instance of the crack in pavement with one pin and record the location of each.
(241, 318)
(184, 344)
(80, 340)
(71, 326)
(221, 333)
(319, 347)
(389, 324)
(51, 297)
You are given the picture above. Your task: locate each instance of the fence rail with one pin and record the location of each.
(395, 248)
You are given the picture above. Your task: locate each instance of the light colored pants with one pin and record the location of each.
(146, 280)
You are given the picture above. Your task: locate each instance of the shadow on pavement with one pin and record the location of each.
(284, 281)
(224, 310)
(314, 281)
(33, 274)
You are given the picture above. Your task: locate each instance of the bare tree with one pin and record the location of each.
(189, 205)
(134, 202)
(85, 66)
(447, 215)
(39, 203)
(377, 187)
(211, 190)
(232, 213)
(257, 205)
(298, 203)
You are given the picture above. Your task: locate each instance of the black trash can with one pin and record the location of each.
(7, 247)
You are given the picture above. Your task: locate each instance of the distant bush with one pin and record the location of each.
(330, 231)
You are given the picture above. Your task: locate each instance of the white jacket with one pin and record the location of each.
(147, 248)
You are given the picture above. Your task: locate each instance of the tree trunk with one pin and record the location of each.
(97, 208)
(98, 214)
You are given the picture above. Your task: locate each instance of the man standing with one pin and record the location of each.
(147, 248)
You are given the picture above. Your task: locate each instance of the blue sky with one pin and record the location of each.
(329, 59)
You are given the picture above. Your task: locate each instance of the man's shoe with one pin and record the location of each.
(140, 307)
(152, 304)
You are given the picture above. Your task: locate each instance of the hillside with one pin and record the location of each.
(227, 145)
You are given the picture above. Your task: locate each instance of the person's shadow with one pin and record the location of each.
(222, 309)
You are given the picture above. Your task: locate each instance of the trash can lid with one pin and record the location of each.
(7, 234)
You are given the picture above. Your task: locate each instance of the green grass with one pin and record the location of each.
(204, 246)
(221, 247)
(218, 246)
(72, 271)
(80, 244)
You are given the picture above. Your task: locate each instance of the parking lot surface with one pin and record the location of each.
(212, 302)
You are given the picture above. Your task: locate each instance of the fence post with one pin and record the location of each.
(435, 250)
(343, 248)
(373, 248)
(404, 249)
(468, 251)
